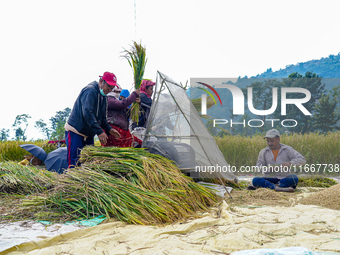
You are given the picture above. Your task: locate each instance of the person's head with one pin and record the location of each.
(107, 82)
(147, 87)
(33, 160)
(124, 94)
(273, 139)
(116, 91)
(149, 90)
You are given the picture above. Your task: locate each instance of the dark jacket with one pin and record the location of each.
(88, 115)
(145, 103)
(117, 110)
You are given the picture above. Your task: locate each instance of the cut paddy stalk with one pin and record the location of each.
(136, 57)
(128, 184)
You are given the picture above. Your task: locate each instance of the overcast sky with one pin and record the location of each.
(50, 50)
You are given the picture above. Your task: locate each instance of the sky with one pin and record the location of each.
(50, 50)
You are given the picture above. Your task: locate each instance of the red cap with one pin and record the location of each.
(110, 78)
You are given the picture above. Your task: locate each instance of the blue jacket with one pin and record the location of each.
(88, 115)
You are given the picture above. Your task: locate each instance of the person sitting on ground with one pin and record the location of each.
(118, 118)
(277, 156)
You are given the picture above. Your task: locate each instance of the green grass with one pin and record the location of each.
(11, 151)
(316, 148)
(316, 181)
(238, 150)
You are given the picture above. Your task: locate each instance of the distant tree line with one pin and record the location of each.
(328, 67)
(323, 105)
(53, 131)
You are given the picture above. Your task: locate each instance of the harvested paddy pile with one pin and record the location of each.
(328, 198)
(268, 197)
(19, 179)
(261, 197)
(128, 184)
(17, 184)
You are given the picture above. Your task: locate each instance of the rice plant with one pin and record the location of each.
(128, 184)
(317, 148)
(11, 151)
(136, 57)
(19, 179)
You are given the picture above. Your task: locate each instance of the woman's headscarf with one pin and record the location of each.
(143, 86)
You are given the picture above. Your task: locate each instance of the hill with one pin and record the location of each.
(328, 67)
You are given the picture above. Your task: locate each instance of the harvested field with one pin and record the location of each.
(222, 231)
(253, 219)
(128, 184)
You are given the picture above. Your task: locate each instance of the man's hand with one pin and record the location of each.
(114, 132)
(103, 138)
(137, 91)
(286, 164)
(137, 100)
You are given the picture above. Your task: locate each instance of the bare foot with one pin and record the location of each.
(289, 189)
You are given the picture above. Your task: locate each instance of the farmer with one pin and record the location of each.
(275, 161)
(88, 117)
(116, 91)
(124, 94)
(146, 91)
(118, 118)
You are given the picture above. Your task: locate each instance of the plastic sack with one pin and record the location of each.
(139, 132)
(219, 189)
(89, 222)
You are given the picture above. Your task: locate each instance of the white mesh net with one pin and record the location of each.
(175, 130)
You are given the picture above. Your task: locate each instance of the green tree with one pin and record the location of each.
(311, 82)
(326, 116)
(42, 127)
(19, 134)
(336, 94)
(262, 96)
(20, 126)
(4, 134)
(58, 122)
(239, 128)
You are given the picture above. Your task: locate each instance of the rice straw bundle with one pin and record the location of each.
(137, 60)
(129, 184)
(19, 179)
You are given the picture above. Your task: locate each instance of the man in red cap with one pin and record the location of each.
(88, 117)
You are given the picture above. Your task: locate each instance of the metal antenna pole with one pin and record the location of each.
(135, 7)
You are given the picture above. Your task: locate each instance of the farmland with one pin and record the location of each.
(238, 150)
(316, 148)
